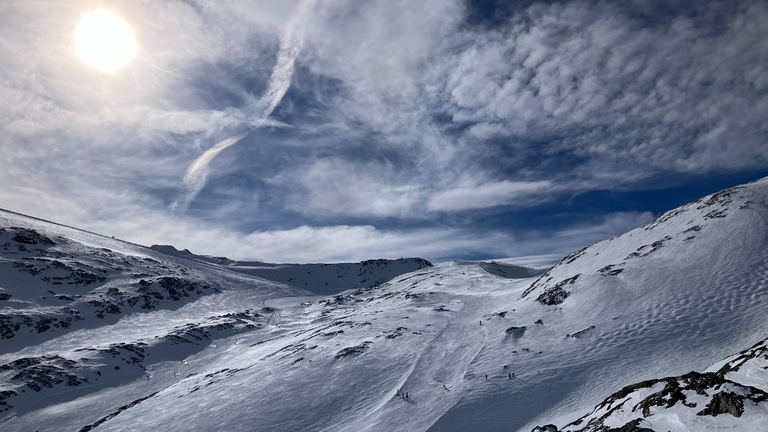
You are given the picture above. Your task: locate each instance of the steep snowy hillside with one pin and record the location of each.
(676, 295)
(323, 279)
(476, 346)
(733, 396)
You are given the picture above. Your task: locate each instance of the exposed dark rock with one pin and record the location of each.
(557, 294)
(4, 396)
(704, 384)
(82, 277)
(715, 214)
(723, 198)
(43, 324)
(333, 333)
(27, 236)
(609, 270)
(37, 373)
(724, 402)
(92, 426)
(574, 256)
(177, 288)
(354, 350)
(582, 333)
(633, 426)
(665, 217)
(646, 250)
(8, 326)
(391, 334)
(27, 268)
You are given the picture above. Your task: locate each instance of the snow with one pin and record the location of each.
(326, 279)
(264, 352)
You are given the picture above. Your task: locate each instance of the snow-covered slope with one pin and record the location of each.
(323, 279)
(474, 349)
(56, 280)
(733, 395)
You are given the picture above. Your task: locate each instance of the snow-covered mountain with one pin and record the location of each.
(325, 279)
(476, 346)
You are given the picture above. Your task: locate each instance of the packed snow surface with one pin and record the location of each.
(255, 351)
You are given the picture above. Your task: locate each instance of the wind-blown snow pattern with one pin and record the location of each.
(476, 346)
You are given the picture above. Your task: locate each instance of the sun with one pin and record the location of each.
(104, 41)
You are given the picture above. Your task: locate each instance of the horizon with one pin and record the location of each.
(310, 131)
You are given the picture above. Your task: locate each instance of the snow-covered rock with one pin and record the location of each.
(734, 397)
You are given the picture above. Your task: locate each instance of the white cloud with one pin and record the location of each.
(484, 195)
(335, 186)
(197, 173)
(668, 97)
(338, 243)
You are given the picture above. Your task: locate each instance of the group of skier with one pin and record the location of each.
(405, 395)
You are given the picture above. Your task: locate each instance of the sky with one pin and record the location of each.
(341, 130)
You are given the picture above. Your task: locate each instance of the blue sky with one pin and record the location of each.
(334, 130)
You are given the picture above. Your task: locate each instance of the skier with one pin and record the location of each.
(481, 322)
(513, 374)
(398, 392)
(510, 376)
(406, 395)
(445, 387)
(486, 377)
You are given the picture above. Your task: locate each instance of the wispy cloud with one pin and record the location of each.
(471, 195)
(197, 173)
(291, 42)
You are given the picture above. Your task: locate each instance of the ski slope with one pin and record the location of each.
(254, 353)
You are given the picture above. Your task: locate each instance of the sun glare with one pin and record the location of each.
(104, 41)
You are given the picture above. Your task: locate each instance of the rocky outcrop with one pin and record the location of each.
(691, 395)
(354, 351)
(557, 294)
